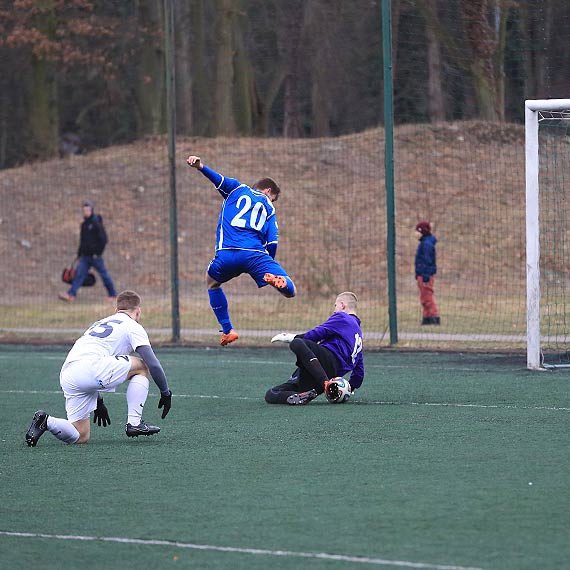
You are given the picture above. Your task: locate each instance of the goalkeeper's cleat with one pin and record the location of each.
(141, 429)
(277, 281)
(37, 428)
(302, 398)
(228, 337)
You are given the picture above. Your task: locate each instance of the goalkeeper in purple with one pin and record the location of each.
(328, 351)
(246, 241)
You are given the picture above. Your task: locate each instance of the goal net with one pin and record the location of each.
(547, 124)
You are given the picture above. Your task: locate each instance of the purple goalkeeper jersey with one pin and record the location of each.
(342, 335)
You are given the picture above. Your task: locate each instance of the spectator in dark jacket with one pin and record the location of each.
(426, 268)
(93, 239)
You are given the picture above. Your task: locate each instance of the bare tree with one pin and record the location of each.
(183, 54)
(224, 120)
(43, 110)
(294, 26)
(436, 101)
(483, 39)
(151, 85)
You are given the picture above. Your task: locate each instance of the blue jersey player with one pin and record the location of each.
(330, 350)
(246, 241)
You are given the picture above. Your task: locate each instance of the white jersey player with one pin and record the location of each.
(99, 362)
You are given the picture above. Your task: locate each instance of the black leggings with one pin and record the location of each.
(302, 380)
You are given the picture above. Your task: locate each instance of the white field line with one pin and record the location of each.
(246, 361)
(237, 550)
(353, 402)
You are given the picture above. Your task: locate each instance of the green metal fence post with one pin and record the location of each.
(389, 165)
(171, 135)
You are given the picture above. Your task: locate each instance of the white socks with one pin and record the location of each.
(62, 429)
(137, 392)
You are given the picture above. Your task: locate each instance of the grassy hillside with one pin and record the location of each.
(466, 178)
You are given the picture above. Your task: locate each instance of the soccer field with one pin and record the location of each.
(440, 461)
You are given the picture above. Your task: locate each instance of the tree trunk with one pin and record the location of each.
(245, 95)
(43, 111)
(224, 121)
(266, 104)
(436, 100)
(319, 29)
(395, 20)
(183, 26)
(151, 85)
(291, 112)
(201, 91)
(502, 16)
(537, 27)
(483, 41)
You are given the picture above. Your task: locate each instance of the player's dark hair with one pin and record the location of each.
(268, 183)
(128, 301)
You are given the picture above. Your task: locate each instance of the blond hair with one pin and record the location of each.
(349, 299)
(128, 301)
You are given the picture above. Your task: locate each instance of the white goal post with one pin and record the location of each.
(533, 110)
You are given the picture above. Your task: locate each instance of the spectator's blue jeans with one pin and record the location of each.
(83, 265)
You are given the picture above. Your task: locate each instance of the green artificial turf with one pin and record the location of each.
(439, 460)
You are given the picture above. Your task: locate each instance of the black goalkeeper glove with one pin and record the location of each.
(165, 403)
(101, 414)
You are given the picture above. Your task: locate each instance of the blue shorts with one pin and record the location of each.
(230, 263)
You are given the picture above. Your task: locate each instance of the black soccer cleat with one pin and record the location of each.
(302, 398)
(141, 429)
(37, 428)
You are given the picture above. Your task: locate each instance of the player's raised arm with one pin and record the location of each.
(223, 184)
(194, 162)
(158, 375)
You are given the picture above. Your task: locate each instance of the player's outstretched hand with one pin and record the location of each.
(283, 337)
(194, 161)
(165, 403)
(101, 414)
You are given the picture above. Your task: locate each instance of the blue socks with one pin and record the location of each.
(219, 304)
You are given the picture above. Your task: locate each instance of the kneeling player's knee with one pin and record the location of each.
(296, 345)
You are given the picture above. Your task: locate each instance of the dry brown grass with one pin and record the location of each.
(467, 178)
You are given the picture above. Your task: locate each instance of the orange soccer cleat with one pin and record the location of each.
(228, 337)
(277, 281)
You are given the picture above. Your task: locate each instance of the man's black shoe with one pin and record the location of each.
(436, 320)
(37, 428)
(141, 429)
(302, 398)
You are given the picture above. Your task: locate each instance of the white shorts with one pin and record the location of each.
(82, 380)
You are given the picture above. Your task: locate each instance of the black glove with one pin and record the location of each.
(165, 402)
(101, 414)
